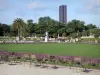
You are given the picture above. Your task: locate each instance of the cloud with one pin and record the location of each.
(91, 6)
(36, 6)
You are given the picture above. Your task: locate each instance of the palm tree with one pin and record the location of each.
(18, 24)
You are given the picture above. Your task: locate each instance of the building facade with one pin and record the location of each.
(63, 14)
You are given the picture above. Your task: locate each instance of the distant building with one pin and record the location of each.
(63, 14)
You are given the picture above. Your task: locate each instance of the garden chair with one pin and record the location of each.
(77, 61)
(1, 60)
(32, 59)
(11, 60)
(45, 63)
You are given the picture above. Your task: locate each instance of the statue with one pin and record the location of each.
(46, 36)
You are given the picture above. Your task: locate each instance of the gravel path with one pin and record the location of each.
(25, 69)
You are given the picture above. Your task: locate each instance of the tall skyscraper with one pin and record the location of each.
(63, 14)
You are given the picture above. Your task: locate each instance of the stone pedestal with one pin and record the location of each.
(17, 38)
(35, 36)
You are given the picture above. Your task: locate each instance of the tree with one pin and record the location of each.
(48, 24)
(70, 27)
(64, 34)
(13, 32)
(85, 33)
(78, 25)
(79, 34)
(75, 26)
(43, 23)
(81, 26)
(70, 30)
(61, 28)
(19, 25)
(91, 26)
(55, 35)
(96, 32)
(74, 35)
(4, 29)
(29, 28)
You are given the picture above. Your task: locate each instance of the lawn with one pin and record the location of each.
(56, 49)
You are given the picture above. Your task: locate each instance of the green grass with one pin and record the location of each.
(56, 49)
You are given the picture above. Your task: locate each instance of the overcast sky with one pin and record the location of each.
(85, 10)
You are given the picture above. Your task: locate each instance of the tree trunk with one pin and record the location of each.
(18, 35)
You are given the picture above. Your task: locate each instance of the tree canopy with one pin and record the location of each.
(21, 28)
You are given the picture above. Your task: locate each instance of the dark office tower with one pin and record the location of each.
(63, 14)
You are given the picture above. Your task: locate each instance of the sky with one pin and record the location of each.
(85, 10)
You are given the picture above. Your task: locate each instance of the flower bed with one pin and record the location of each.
(85, 62)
